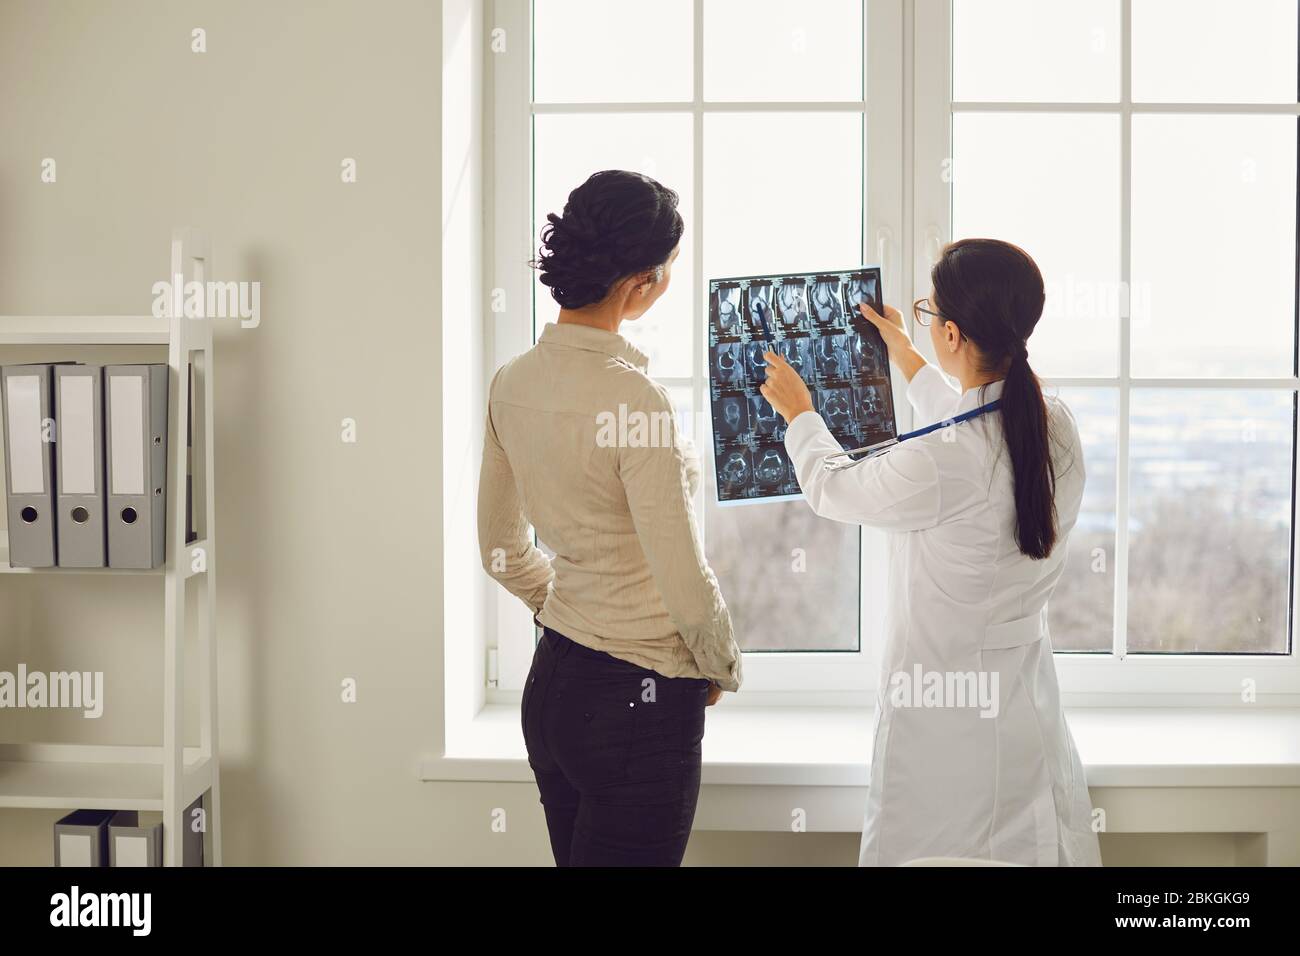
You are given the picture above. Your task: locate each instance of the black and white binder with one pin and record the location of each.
(29, 475)
(79, 465)
(135, 408)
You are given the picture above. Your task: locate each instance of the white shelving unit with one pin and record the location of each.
(171, 777)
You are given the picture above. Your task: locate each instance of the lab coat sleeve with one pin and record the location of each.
(656, 480)
(896, 491)
(1067, 459)
(931, 395)
(505, 546)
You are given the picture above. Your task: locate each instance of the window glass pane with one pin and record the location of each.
(794, 205)
(1210, 520)
(587, 51)
(1081, 610)
(1214, 245)
(1063, 51)
(1208, 51)
(569, 148)
(1050, 184)
(790, 578)
(775, 50)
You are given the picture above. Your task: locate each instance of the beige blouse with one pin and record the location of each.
(583, 445)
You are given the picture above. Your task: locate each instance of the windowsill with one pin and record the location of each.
(830, 747)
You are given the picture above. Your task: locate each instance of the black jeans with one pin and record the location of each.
(615, 749)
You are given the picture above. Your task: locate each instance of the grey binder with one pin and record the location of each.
(79, 465)
(81, 838)
(29, 471)
(135, 413)
(191, 839)
(132, 843)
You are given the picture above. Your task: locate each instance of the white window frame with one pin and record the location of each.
(906, 109)
(825, 676)
(1171, 678)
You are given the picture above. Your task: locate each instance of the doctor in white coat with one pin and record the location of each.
(972, 757)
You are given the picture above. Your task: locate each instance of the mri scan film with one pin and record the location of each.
(814, 323)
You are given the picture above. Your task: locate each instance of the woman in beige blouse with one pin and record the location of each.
(583, 445)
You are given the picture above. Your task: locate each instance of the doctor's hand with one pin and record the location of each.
(901, 350)
(715, 695)
(784, 390)
(890, 326)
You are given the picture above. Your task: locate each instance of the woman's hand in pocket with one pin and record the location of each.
(715, 695)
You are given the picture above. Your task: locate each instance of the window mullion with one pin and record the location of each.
(1120, 646)
(698, 407)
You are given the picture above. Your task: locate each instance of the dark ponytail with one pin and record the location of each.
(614, 225)
(993, 292)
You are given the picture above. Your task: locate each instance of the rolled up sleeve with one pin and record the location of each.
(505, 544)
(657, 483)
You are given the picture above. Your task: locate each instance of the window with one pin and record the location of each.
(754, 113)
(1160, 201)
(1143, 151)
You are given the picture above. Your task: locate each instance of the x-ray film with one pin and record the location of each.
(812, 321)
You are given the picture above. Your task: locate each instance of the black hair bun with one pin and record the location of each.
(577, 267)
(615, 224)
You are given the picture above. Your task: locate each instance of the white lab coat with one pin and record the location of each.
(962, 601)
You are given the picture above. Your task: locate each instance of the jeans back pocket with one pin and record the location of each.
(591, 729)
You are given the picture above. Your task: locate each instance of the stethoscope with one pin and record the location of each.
(833, 463)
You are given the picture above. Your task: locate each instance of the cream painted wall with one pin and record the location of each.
(327, 571)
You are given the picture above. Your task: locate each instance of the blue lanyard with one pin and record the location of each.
(957, 420)
(833, 462)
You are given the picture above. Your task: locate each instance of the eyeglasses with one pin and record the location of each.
(919, 308)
